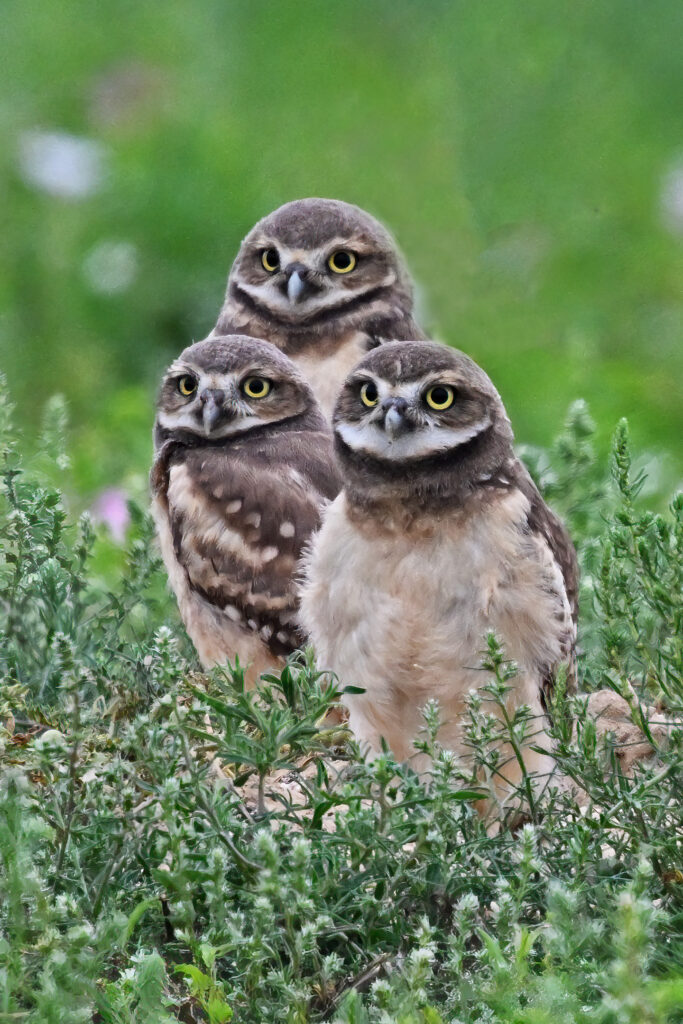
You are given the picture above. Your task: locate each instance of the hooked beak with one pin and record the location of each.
(213, 408)
(395, 420)
(295, 286)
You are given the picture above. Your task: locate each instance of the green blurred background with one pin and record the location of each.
(528, 156)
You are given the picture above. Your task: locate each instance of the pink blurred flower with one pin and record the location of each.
(111, 508)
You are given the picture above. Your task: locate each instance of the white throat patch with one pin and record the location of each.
(371, 439)
(184, 420)
(270, 296)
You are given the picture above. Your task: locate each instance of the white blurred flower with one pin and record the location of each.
(518, 252)
(110, 267)
(61, 164)
(52, 738)
(671, 199)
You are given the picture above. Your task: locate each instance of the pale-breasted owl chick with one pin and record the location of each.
(438, 536)
(243, 464)
(325, 282)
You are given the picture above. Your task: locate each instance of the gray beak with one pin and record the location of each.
(395, 420)
(213, 408)
(295, 286)
(393, 423)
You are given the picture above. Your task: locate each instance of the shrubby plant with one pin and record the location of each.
(175, 848)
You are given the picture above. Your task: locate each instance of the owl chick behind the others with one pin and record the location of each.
(243, 464)
(438, 536)
(325, 282)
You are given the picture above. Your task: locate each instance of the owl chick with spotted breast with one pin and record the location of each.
(243, 465)
(325, 282)
(438, 536)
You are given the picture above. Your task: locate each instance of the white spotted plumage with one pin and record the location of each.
(231, 518)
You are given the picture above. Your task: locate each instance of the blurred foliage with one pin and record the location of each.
(527, 157)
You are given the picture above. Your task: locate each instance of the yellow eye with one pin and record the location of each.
(342, 261)
(187, 386)
(256, 387)
(440, 397)
(368, 394)
(270, 260)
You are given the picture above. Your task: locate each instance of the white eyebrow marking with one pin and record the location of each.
(411, 390)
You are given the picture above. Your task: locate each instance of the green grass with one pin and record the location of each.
(154, 867)
(520, 152)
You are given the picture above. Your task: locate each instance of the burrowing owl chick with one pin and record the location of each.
(324, 281)
(243, 464)
(438, 536)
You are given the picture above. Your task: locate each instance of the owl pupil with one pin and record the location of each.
(440, 396)
(371, 392)
(342, 259)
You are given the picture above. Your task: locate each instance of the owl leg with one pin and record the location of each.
(363, 728)
(372, 722)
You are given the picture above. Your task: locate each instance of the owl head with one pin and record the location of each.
(417, 419)
(229, 386)
(316, 262)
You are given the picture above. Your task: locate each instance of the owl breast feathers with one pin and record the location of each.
(325, 282)
(438, 536)
(235, 502)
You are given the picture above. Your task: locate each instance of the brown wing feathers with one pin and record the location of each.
(544, 523)
(238, 526)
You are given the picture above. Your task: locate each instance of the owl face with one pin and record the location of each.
(413, 402)
(228, 386)
(315, 258)
(418, 416)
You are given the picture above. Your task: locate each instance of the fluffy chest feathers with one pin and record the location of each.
(325, 370)
(405, 615)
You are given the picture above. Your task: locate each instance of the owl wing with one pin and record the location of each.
(554, 549)
(551, 532)
(239, 518)
(543, 521)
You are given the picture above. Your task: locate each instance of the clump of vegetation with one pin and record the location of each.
(175, 848)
